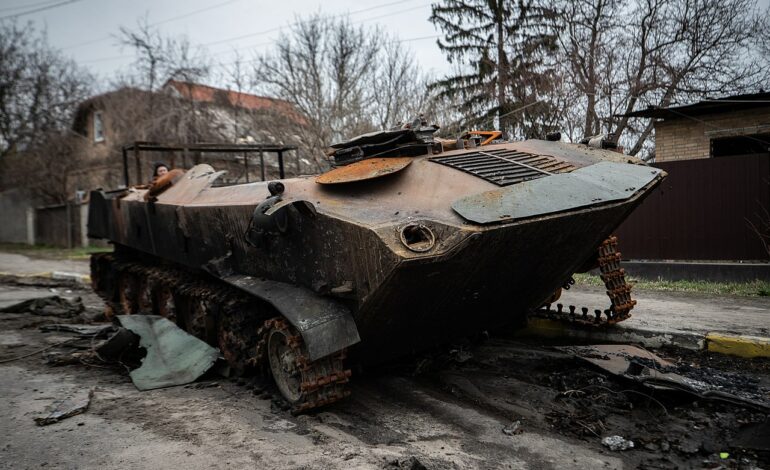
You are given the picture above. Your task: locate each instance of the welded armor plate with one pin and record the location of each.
(593, 185)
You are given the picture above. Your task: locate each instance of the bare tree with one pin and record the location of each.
(655, 52)
(39, 87)
(399, 90)
(318, 67)
(344, 80)
(158, 59)
(47, 165)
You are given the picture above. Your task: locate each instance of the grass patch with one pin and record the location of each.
(52, 252)
(755, 288)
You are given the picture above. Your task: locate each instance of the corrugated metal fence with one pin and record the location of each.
(702, 212)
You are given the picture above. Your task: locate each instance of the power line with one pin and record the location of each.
(212, 7)
(421, 38)
(342, 14)
(35, 10)
(104, 59)
(107, 59)
(491, 119)
(272, 30)
(167, 20)
(31, 5)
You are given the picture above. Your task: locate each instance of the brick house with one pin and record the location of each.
(90, 154)
(729, 126)
(182, 112)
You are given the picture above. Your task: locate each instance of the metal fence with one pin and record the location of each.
(62, 225)
(702, 211)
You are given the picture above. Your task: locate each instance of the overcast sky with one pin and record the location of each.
(86, 29)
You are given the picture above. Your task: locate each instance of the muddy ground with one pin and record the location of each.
(498, 403)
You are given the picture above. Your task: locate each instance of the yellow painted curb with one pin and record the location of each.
(46, 274)
(743, 346)
(543, 327)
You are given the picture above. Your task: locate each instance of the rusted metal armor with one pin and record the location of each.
(407, 243)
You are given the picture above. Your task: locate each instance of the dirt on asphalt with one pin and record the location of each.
(496, 403)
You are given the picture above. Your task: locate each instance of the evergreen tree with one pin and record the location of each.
(503, 51)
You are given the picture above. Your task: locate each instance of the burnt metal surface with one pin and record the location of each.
(326, 325)
(219, 314)
(364, 170)
(601, 183)
(384, 260)
(505, 167)
(642, 366)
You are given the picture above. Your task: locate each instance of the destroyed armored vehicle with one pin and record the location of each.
(407, 243)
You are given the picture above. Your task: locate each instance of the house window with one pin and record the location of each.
(756, 144)
(98, 127)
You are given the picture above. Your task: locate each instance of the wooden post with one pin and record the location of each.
(125, 167)
(262, 163)
(138, 165)
(246, 164)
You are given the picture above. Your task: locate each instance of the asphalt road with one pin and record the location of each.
(502, 404)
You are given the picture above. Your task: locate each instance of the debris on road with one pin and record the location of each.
(617, 443)
(412, 463)
(82, 330)
(67, 408)
(643, 367)
(174, 357)
(54, 306)
(513, 429)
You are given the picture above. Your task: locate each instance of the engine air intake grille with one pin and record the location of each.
(505, 167)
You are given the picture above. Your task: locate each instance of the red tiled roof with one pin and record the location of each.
(208, 94)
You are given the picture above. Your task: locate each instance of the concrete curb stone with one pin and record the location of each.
(78, 278)
(736, 345)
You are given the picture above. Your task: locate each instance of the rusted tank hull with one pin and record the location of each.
(379, 258)
(494, 278)
(489, 277)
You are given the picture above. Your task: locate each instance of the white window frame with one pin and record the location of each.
(98, 127)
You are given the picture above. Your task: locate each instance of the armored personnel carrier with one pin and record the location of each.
(407, 243)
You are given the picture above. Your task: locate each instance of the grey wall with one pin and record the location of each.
(16, 217)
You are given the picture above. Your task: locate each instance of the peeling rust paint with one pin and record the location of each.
(364, 170)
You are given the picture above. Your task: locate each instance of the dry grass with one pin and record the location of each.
(745, 289)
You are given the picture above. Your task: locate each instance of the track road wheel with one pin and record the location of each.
(144, 296)
(196, 316)
(304, 384)
(164, 301)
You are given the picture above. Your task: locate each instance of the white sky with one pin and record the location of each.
(86, 29)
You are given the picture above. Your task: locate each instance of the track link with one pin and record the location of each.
(618, 291)
(221, 315)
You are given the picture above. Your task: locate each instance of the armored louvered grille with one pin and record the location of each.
(505, 167)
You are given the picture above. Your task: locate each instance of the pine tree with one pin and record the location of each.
(502, 50)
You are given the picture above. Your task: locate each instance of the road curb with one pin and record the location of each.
(78, 278)
(736, 345)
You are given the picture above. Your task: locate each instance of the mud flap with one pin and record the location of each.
(326, 325)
